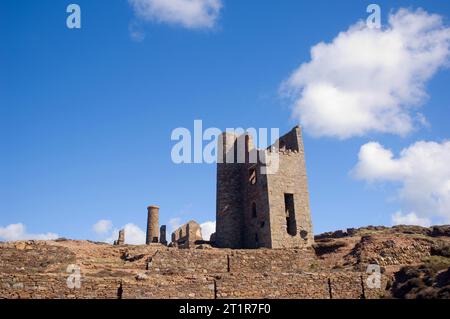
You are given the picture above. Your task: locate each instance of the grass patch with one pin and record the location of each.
(437, 263)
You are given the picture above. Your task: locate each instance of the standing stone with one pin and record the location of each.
(162, 232)
(152, 225)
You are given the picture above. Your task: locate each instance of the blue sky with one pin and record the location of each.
(86, 115)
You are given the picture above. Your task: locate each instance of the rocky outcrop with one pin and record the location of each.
(423, 282)
(434, 231)
(387, 250)
(440, 231)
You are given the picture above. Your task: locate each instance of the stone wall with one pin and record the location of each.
(176, 261)
(229, 201)
(290, 179)
(256, 210)
(172, 261)
(268, 260)
(280, 285)
(54, 286)
(196, 286)
(40, 270)
(323, 285)
(33, 257)
(171, 287)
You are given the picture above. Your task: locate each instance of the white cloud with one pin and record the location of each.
(102, 226)
(410, 219)
(370, 80)
(422, 172)
(133, 235)
(174, 224)
(136, 32)
(208, 228)
(191, 14)
(16, 232)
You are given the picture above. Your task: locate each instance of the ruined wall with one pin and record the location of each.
(290, 179)
(187, 235)
(229, 201)
(256, 230)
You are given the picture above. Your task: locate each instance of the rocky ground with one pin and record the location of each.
(414, 262)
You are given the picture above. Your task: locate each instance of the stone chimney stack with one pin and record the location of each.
(152, 225)
(162, 234)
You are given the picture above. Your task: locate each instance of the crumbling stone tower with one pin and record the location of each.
(262, 210)
(121, 240)
(152, 225)
(162, 235)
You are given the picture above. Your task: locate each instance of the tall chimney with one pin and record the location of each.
(152, 225)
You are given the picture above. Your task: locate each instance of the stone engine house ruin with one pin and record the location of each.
(257, 210)
(187, 236)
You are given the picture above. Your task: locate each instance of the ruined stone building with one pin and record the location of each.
(255, 209)
(187, 235)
